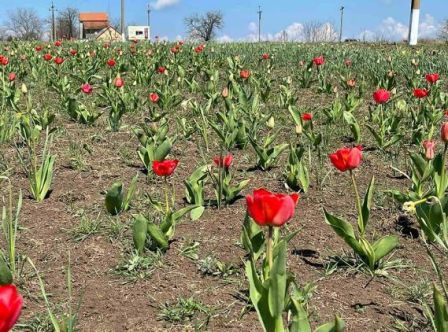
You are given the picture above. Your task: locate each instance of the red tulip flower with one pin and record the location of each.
(174, 50)
(265, 56)
(161, 70)
(444, 132)
(118, 82)
(381, 96)
(58, 60)
(420, 93)
(38, 48)
(111, 62)
(432, 78)
(57, 43)
(154, 97)
(47, 57)
(245, 74)
(271, 209)
(12, 77)
(10, 307)
(319, 61)
(86, 88)
(4, 60)
(164, 168)
(429, 146)
(225, 161)
(307, 116)
(73, 52)
(347, 158)
(199, 49)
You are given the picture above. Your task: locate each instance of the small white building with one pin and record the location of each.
(139, 32)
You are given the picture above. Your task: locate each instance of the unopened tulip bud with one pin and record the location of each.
(153, 128)
(393, 91)
(24, 89)
(271, 122)
(299, 129)
(418, 72)
(225, 92)
(444, 132)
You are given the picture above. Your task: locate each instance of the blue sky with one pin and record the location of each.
(388, 18)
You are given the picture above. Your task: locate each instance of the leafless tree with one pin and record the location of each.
(68, 23)
(204, 26)
(316, 32)
(443, 34)
(25, 24)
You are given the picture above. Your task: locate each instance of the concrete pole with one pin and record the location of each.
(259, 23)
(123, 28)
(413, 22)
(342, 21)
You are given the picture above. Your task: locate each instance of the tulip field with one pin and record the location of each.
(223, 187)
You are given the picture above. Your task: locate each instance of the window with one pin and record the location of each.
(138, 33)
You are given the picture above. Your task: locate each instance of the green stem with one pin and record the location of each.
(279, 324)
(269, 245)
(358, 203)
(167, 204)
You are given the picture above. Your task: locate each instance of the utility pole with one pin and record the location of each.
(123, 33)
(413, 22)
(342, 21)
(148, 9)
(53, 25)
(259, 23)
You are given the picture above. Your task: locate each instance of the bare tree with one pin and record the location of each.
(68, 23)
(443, 34)
(25, 24)
(317, 32)
(204, 26)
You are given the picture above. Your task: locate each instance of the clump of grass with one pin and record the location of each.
(214, 267)
(139, 266)
(87, 227)
(185, 310)
(190, 250)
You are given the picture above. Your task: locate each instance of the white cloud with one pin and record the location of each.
(253, 27)
(429, 27)
(224, 39)
(160, 4)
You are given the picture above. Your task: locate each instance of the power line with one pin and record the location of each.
(259, 23)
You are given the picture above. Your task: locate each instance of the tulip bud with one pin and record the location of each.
(153, 127)
(401, 105)
(444, 132)
(271, 123)
(24, 89)
(418, 72)
(394, 91)
(225, 92)
(299, 129)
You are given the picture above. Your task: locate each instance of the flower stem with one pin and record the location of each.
(358, 204)
(167, 204)
(269, 245)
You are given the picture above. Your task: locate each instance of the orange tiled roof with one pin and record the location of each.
(93, 17)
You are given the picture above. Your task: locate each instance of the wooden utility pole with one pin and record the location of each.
(123, 33)
(342, 21)
(414, 22)
(53, 24)
(259, 23)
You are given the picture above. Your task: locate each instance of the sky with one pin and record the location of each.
(362, 18)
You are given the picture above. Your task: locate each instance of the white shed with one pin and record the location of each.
(139, 32)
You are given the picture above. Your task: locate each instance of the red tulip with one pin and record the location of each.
(174, 50)
(47, 57)
(420, 93)
(432, 78)
(86, 88)
(58, 61)
(348, 62)
(10, 307)
(199, 49)
(118, 82)
(319, 61)
(73, 52)
(12, 77)
(38, 48)
(429, 147)
(111, 62)
(245, 74)
(271, 209)
(4, 60)
(381, 96)
(351, 83)
(57, 43)
(164, 168)
(307, 116)
(265, 56)
(347, 158)
(444, 132)
(161, 70)
(154, 97)
(225, 161)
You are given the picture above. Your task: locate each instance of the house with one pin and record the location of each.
(138, 32)
(108, 34)
(90, 24)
